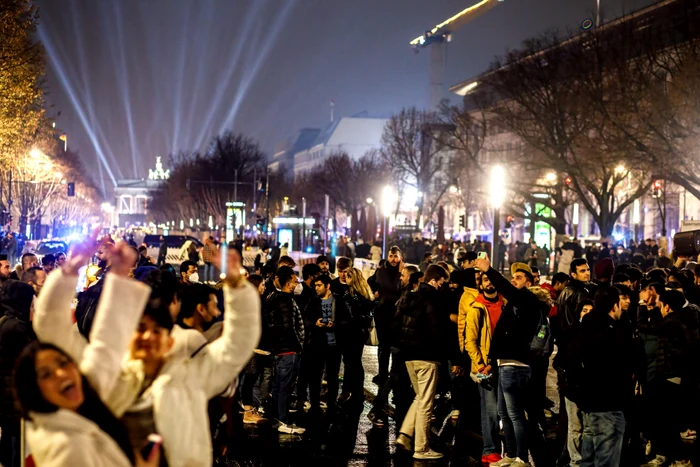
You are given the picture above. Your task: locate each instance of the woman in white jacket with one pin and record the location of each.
(68, 425)
(169, 394)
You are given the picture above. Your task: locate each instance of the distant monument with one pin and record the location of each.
(158, 173)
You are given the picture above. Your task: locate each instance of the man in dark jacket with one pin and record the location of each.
(576, 291)
(5, 268)
(308, 274)
(286, 339)
(162, 252)
(325, 319)
(511, 353)
(422, 343)
(674, 366)
(15, 333)
(387, 288)
(338, 286)
(601, 371)
(29, 260)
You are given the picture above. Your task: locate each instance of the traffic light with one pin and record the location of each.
(567, 180)
(463, 221)
(656, 189)
(71, 188)
(509, 222)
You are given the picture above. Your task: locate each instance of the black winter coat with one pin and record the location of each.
(15, 334)
(518, 323)
(87, 306)
(285, 324)
(387, 284)
(602, 360)
(315, 337)
(419, 330)
(567, 302)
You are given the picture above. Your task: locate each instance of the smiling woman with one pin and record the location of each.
(49, 385)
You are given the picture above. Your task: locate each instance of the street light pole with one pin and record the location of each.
(497, 189)
(387, 196)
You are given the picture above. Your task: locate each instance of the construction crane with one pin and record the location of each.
(437, 39)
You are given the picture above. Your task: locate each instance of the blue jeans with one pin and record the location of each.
(512, 390)
(209, 272)
(488, 393)
(602, 439)
(283, 381)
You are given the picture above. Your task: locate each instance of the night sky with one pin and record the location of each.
(136, 79)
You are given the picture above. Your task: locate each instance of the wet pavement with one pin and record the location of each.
(346, 437)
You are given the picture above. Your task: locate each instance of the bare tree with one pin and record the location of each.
(544, 96)
(414, 150)
(347, 182)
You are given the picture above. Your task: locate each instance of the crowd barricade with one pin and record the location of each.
(367, 266)
(303, 258)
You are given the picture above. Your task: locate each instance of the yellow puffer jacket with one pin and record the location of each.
(465, 302)
(477, 334)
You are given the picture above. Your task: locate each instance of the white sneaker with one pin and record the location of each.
(291, 429)
(505, 462)
(429, 454)
(520, 463)
(657, 462)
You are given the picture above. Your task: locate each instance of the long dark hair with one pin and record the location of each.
(29, 397)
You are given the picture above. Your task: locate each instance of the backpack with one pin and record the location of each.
(542, 344)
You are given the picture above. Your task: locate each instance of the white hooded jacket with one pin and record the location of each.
(184, 386)
(65, 438)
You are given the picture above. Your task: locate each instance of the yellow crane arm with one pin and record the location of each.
(458, 20)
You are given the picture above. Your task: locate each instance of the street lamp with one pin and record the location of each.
(636, 219)
(370, 201)
(453, 189)
(387, 197)
(550, 177)
(620, 169)
(574, 220)
(498, 180)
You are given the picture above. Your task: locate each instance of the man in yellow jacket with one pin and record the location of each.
(479, 312)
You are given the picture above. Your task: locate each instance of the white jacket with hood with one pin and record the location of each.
(65, 438)
(184, 386)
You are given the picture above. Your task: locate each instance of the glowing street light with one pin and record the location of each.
(36, 153)
(370, 201)
(620, 169)
(387, 198)
(636, 218)
(453, 189)
(550, 177)
(498, 181)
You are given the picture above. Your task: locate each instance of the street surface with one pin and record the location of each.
(349, 438)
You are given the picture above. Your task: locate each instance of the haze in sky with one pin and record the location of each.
(138, 79)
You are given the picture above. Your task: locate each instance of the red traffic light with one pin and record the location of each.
(567, 180)
(657, 184)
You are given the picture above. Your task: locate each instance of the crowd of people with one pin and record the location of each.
(126, 381)
(149, 365)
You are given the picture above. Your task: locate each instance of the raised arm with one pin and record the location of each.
(53, 321)
(118, 312)
(221, 361)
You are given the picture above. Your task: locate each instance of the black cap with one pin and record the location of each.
(3, 257)
(321, 259)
